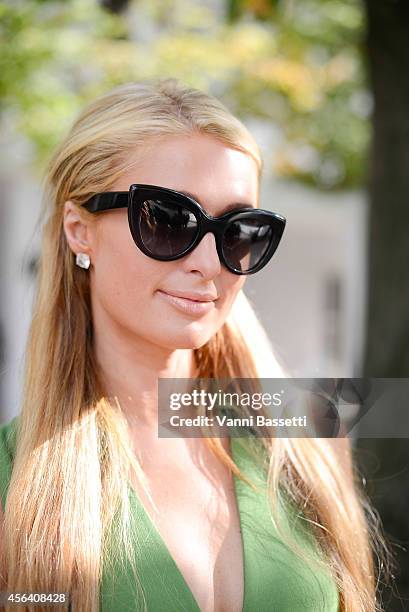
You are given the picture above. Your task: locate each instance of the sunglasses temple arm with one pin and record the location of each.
(107, 201)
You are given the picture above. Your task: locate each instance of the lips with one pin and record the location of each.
(194, 296)
(188, 306)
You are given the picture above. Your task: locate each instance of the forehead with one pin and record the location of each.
(200, 164)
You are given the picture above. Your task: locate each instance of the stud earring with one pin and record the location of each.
(82, 260)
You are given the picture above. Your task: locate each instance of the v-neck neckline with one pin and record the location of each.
(162, 544)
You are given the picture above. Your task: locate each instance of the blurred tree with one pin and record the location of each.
(295, 64)
(387, 347)
(314, 85)
(115, 6)
(45, 77)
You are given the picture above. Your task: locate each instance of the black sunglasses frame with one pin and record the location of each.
(138, 193)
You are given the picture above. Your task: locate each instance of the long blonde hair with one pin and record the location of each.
(73, 457)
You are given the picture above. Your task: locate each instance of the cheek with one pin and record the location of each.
(232, 285)
(228, 288)
(123, 284)
(122, 277)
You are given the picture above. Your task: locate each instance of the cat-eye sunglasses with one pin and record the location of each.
(166, 225)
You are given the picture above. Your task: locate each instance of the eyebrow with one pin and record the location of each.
(233, 206)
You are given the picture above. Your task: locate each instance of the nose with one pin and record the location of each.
(204, 257)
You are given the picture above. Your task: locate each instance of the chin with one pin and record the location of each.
(191, 338)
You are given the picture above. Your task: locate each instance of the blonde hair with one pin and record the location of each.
(73, 456)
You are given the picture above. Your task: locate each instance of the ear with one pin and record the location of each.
(77, 229)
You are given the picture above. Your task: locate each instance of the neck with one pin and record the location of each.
(130, 369)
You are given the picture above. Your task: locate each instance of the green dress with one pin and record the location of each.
(275, 580)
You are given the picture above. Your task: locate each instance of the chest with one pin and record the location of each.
(198, 521)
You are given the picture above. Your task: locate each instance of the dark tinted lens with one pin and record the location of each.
(245, 243)
(166, 227)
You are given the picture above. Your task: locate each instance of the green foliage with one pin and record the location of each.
(315, 85)
(294, 63)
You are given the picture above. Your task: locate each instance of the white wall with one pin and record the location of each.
(324, 239)
(20, 203)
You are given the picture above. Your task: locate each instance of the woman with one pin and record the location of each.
(95, 503)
